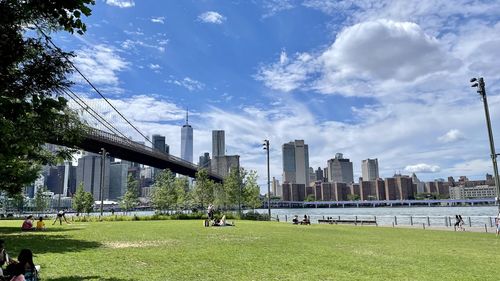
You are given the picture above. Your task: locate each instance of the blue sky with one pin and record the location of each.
(380, 79)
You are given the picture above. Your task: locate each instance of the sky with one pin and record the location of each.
(369, 79)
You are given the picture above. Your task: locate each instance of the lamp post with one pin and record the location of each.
(103, 171)
(479, 84)
(266, 147)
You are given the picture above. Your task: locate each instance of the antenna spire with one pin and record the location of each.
(187, 117)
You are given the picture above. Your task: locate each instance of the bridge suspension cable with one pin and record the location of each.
(91, 84)
(99, 118)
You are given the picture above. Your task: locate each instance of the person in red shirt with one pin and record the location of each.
(27, 224)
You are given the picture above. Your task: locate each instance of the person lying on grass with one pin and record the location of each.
(223, 222)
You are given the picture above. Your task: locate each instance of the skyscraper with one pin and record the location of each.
(204, 161)
(340, 169)
(118, 172)
(187, 141)
(159, 142)
(369, 169)
(296, 162)
(218, 143)
(319, 174)
(88, 172)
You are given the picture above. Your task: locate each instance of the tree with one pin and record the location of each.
(204, 189)
(131, 197)
(310, 198)
(221, 196)
(79, 199)
(32, 74)
(182, 190)
(41, 202)
(19, 201)
(353, 197)
(163, 192)
(88, 202)
(252, 191)
(233, 185)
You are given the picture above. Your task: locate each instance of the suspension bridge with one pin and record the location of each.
(108, 129)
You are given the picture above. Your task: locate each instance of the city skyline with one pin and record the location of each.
(285, 70)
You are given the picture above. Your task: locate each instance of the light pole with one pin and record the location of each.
(479, 84)
(266, 147)
(103, 170)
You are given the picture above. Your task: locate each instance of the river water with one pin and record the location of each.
(437, 216)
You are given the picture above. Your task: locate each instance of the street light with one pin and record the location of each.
(479, 84)
(103, 170)
(266, 147)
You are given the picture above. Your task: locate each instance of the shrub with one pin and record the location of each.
(255, 216)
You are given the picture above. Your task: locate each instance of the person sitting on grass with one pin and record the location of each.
(16, 271)
(40, 224)
(295, 219)
(27, 224)
(4, 257)
(29, 272)
(305, 220)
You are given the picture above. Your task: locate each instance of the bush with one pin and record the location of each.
(173, 216)
(253, 216)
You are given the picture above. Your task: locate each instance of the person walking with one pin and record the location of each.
(461, 223)
(457, 222)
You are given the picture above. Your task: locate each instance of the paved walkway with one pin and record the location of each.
(487, 229)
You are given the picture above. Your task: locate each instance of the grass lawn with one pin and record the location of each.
(185, 250)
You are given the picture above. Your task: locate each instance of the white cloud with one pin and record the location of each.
(101, 64)
(385, 50)
(132, 44)
(188, 83)
(273, 7)
(154, 66)
(472, 167)
(211, 17)
(121, 3)
(373, 58)
(287, 75)
(158, 20)
(137, 32)
(329, 7)
(422, 168)
(451, 136)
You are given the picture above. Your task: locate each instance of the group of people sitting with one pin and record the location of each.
(28, 224)
(21, 270)
(305, 220)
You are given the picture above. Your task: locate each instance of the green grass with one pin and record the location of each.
(185, 250)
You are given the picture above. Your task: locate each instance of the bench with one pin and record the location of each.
(355, 222)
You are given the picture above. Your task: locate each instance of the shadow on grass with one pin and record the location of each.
(41, 242)
(85, 278)
(6, 230)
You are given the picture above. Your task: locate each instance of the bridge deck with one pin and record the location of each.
(129, 150)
